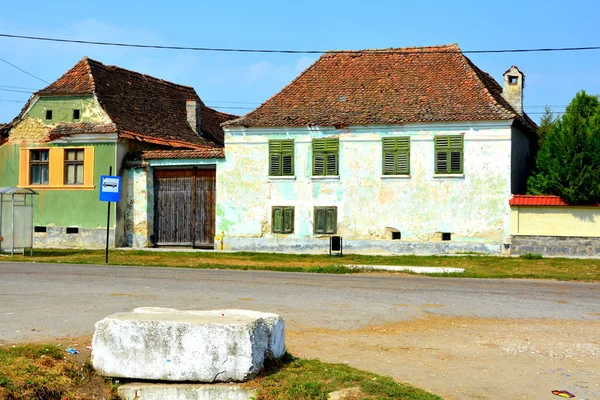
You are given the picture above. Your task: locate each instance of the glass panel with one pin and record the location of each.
(35, 174)
(45, 155)
(79, 155)
(44, 174)
(79, 174)
(70, 174)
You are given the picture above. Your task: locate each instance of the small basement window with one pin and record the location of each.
(396, 236)
(72, 230)
(446, 236)
(40, 229)
(76, 114)
(48, 114)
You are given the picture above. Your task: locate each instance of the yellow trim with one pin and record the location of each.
(56, 168)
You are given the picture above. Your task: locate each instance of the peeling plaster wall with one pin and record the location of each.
(139, 220)
(34, 126)
(473, 208)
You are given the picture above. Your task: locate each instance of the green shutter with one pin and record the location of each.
(288, 220)
(281, 157)
(325, 157)
(330, 223)
(449, 155)
(283, 220)
(396, 155)
(325, 220)
(319, 165)
(277, 224)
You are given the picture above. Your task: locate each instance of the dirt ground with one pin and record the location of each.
(458, 358)
(468, 358)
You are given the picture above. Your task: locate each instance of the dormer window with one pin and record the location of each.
(76, 114)
(512, 79)
(48, 114)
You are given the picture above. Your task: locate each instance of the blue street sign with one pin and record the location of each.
(110, 188)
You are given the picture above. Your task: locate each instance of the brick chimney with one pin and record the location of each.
(514, 81)
(192, 108)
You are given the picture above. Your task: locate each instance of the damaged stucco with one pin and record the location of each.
(139, 209)
(473, 207)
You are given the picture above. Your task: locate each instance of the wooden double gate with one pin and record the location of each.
(184, 207)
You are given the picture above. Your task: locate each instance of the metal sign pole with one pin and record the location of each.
(108, 223)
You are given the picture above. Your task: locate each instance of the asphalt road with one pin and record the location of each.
(39, 301)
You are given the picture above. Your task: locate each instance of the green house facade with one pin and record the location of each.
(92, 120)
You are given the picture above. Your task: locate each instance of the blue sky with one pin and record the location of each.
(237, 82)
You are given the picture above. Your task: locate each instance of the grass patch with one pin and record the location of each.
(299, 379)
(476, 266)
(531, 256)
(44, 372)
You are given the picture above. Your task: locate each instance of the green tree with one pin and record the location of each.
(568, 161)
(546, 122)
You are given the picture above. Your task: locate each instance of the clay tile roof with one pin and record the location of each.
(180, 154)
(536, 200)
(142, 107)
(64, 129)
(211, 122)
(389, 86)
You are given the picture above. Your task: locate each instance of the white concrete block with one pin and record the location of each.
(171, 345)
(175, 391)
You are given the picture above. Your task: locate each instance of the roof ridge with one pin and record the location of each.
(473, 69)
(146, 76)
(85, 61)
(452, 46)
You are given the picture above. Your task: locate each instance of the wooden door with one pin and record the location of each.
(184, 207)
(204, 210)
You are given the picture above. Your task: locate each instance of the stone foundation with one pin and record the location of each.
(57, 237)
(555, 245)
(321, 246)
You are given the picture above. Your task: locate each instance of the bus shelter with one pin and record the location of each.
(16, 219)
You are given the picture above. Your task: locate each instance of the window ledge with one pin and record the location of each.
(282, 178)
(448, 176)
(395, 177)
(325, 178)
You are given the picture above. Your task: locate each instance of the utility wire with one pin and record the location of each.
(25, 72)
(280, 51)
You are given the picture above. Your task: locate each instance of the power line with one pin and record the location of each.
(280, 51)
(15, 90)
(12, 101)
(18, 87)
(22, 70)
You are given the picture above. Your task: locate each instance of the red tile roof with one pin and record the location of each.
(141, 106)
(181, 154)
(65, 129)
(536, 200)
(390, 86)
